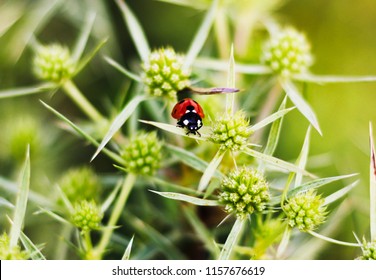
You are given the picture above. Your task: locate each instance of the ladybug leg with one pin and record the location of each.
(193, 132)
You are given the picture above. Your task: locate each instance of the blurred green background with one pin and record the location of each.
(342, 35)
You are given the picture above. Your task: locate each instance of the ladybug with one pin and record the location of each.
(189, 115)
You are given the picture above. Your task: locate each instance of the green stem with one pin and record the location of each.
(76, 95)
(87, 239)
(118, 208)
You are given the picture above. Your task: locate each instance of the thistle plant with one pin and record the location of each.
(143, 154)
(243, 192)
(80, 183)
(288, 52)
(86, 216)
(130, 162)
(53, 63)
(163, 73)
(11, 253)
(231, 132)
(305, 211)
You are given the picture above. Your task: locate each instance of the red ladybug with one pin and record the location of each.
(189, 115)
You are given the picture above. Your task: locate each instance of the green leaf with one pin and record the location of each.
(68, 205)
(284, 242)
(111, 197)
(202, 232)
(110, 154)
(273, 117)
(303, 157)
(84, 36)
(10, 15)
(176, 130)
(135, 30)
(187, 198)
(335, 241)
(314, 184)
(310, 78)
(6, 203)
(232, 239)
(37, 198)
(275, 131)
(119, 122)
(127, 253)
(35, 16)
(190, 159)
(171, 186)
(317, 184)
(277, 162)
(340, 193)
(31, 248)
(210, 170)
(161, 241)
(21, 202)
(87, 58)
(121, 69)
(221, 65)
(300, 103)
(200, 36)
(372, 185)
(27, 90)
(53, 215)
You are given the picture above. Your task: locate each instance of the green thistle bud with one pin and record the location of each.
(164, 75)
(305, 211)
(231, 132)
(288, 53)
(24, 131)
(7, 253)
(369, 251)
(80, 184)
(243, 192)
(53, 63)
(143, 154)
(86, 215)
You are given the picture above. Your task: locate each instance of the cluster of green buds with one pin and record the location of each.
(164, 74)
(288, 52)
(369, 251)
(243, 192)
(86, 215)
(53, 63)
(231, 131)
(8, 253)
(25, 131)
(80, 183)
(305, 211)
(143, 154)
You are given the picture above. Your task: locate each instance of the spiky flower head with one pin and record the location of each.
(14, 253)
(143, 153)
(305, 210)
(24, 131)
(80, 183)
(288, 52)
(53, 63)
(243, 192)
(86, 215)
(231, 131)
(369, 251)
(164, 74)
